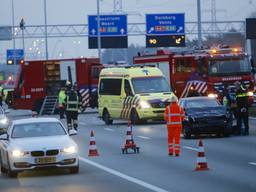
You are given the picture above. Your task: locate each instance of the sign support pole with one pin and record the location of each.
(13, 30)
(98, 32)
(199, 24)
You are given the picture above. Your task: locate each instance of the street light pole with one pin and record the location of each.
(22, 27)
(199, 23)
(13, 30)
(98, 32)
(45, 29)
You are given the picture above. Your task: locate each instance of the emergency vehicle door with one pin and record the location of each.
(64, 70)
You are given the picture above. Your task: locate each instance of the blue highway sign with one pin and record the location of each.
(15, 54)
(110, 25)
(165, 24)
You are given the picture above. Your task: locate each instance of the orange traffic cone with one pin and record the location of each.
(201, 159)
(129, 141)
(93, 151)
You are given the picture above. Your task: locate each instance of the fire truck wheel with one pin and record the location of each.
(106, 117)
(186, 132)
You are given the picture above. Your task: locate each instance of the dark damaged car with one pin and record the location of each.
(204, 115)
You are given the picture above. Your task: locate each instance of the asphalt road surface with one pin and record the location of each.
(232, 163)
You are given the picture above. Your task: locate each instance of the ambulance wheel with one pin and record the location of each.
(106, 117)
(135, 117)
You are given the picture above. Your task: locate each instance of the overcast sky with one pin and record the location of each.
(76, 11)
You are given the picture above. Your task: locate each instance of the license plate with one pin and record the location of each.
(45, 160)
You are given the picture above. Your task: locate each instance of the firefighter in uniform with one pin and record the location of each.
(174, 115)
(72, 107)
(242, 109)
(61, 100)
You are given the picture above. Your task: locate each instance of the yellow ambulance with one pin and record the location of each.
(138, 93)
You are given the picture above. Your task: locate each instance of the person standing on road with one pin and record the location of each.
(61, 100)
(242, 109)
(174, 115)
(72, 107)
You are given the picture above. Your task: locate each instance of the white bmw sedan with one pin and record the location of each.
(37, 143)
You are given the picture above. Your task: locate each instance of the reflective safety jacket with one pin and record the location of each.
(174, 115)
(72, 104)
(242, 98)
(62, 97)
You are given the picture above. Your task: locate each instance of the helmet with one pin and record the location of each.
(174, 99)
(68, 83)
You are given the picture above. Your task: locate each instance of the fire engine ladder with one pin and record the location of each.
(48, 105)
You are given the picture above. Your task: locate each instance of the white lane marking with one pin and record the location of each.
(190, 148)
(126, 177)
(81, 123)
(109, 129)
(252, 163)
(143, 137)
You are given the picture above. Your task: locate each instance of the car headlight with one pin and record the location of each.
(4, 121)
(144, 104)
(250, 93)
(71, 149)
(18, 153)
(212, 95)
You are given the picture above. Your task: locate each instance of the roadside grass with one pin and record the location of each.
(252, 111)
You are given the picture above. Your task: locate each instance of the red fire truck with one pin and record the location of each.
(39, 79)
(207, 71)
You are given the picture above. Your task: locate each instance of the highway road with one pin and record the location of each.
(232, 163)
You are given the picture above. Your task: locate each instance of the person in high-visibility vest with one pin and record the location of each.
(242, 101)
(72, 106)
(174, 115)
(61, 100)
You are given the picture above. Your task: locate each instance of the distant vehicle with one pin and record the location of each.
(133, 92)
(4, 121)
(37, 143)
(206, 71)
(205, 115)
(40, 78)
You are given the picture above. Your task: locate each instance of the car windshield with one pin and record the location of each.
(201, 103)
(229, 66)
(37, 130)
(150, 85)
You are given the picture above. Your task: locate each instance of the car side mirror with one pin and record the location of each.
(72, 132)
(4, 136)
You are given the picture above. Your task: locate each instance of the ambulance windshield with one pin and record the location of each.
(229, 66)
(150, 85)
